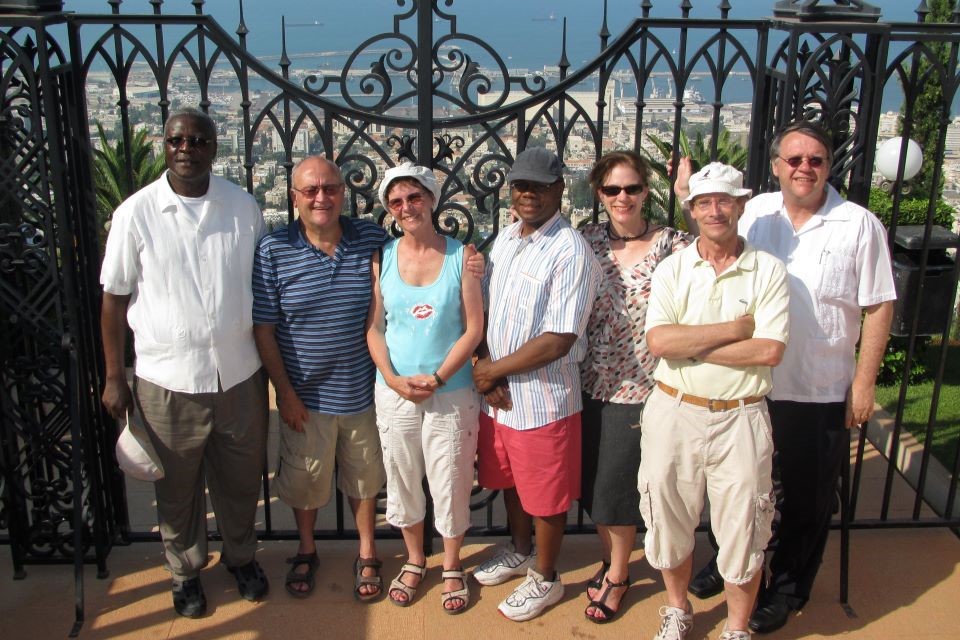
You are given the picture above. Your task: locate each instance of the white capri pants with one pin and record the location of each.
(436, 438)
(688, 450)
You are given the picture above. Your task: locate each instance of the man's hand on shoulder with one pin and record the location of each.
(476, 264)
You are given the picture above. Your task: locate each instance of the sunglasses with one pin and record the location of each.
(530, 187)
(195, 141)
(413, 200)
(796, 161)
(702, 204)
(313, 191)
(612, 190)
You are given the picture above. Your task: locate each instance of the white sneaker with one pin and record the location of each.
(503, 566)
(674, 624)
(734, 635)
(532, 596)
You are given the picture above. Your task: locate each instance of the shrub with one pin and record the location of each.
(891, 368)
(912, 210)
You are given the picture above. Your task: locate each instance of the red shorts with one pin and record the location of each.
(543, 464)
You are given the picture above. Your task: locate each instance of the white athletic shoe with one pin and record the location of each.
(674, 624)
(532, 597)
(506, 564)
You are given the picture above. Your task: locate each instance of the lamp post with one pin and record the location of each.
(888, 163)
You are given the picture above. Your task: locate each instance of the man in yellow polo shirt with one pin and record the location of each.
(718, 320)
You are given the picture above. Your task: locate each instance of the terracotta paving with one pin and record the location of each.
(904, 583)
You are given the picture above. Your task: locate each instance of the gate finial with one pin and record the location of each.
(840, 10)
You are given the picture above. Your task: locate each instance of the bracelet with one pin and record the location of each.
(439, 380)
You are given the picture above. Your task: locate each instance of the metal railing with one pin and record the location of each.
(433, 93)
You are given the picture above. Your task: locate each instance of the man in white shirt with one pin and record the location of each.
(178, 268)
(839, 266)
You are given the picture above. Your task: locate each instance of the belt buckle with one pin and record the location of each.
(716, 405)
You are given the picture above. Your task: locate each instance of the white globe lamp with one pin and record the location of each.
(888, 159)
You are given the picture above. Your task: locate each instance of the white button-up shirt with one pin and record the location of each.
(189, 283)
(838, 262)
(543, 283)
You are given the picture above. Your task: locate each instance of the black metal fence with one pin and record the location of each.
(433, 93)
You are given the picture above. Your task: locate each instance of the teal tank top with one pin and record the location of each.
(423, 323)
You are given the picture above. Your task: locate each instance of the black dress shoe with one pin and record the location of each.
(251, 581)
(770, 616)
(708, 582)
(188, 598)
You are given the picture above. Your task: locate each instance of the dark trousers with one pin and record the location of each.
(810, 440)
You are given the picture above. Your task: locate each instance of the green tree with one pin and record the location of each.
(729, 151)
(112, 180)
(929, 108)
(580, 194)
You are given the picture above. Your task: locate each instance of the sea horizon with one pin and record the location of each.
(525, 35)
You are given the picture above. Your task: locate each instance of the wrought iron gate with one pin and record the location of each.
(434, 93)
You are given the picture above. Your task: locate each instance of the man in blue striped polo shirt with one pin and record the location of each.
(312, 288)
(541, 282)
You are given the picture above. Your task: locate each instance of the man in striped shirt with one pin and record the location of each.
(311, 287)
(540, 286)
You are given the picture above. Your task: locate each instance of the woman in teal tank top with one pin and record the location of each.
(424, 324)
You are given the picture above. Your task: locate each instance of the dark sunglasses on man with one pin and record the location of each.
(195, 141)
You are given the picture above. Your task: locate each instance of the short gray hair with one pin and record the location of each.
(807, 128)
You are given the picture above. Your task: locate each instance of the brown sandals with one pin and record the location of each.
(360, 580)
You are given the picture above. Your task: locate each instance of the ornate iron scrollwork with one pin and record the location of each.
(367, 117)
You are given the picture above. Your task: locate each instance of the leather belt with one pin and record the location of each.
(707, 403)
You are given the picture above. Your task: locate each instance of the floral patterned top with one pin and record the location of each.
(618, 368)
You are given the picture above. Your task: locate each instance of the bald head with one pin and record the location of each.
(313, 162)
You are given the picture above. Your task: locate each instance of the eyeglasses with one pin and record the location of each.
(414, 200)
(612, 190)
(706, 204)
(195, 141)
(795, 161)
(313, 191)
(527, 186)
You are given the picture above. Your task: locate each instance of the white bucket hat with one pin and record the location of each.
(409, 170)
(717, 177)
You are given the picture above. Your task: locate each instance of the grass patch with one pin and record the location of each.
(916, 411)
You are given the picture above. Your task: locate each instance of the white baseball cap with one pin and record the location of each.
(717, 177)
(422, 175)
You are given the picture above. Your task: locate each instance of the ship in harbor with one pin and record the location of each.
(660, 104)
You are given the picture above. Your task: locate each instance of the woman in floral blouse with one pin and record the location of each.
(617, 370)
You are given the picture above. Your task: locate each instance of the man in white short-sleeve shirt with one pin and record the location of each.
(177, 269)
(840, 280)
(717, 319)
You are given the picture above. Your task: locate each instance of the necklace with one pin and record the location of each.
(613, 234)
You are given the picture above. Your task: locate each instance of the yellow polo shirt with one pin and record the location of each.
(685, 290)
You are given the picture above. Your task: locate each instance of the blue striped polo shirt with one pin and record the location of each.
(319, 306)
